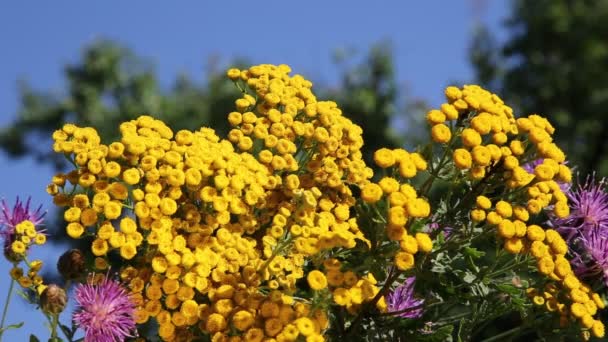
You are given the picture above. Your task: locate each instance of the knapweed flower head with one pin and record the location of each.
(592, 260)
(402, 302)
(18, 227)
(10, 217)
(104, 311)
(588, 211)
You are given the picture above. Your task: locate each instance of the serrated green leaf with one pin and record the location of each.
(474, 252)
(33, 338)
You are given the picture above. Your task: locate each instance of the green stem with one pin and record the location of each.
(501, 336)
(54, 322)
(6, 304)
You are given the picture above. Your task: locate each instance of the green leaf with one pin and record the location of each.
(508, 288)
(474, 252)
(33, 338)
(12, 326)
(442, 334)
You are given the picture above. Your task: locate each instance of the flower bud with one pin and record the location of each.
(53, 299)
(71, 264)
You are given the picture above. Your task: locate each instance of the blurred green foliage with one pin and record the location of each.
(110, 84)
(554, 62)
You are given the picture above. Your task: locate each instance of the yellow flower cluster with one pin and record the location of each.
(492, 142)
(30, 280)
(586, 304)
(217, 232)
(348, 289)
(25, 235)
(403, 202)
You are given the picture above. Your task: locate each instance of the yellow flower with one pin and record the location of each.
(435, 116)
(404, 261)
(242, 320)
(506, 229)
(483, 202)
(99, 247)
(451, 113)
(409, 244)
(72, 214)
(305, 326)
(598, 329)
(128, 251)
(316, 280)
(504, 209)
(74, 230)
(478, 215)
(341, 296)
(425, 244)
(470, 137)
(535, 233)
(462, 158)
(112, 210)
(18, 247)
(441, 133)
(384, 158)
(546, 265)
(371, 193)
(389, 185)
(513, 245)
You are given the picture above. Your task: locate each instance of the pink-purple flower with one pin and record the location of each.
(402, 302)
(12, 216)
(592, 260)
(586, 229)
(588, 211)
(104, 311)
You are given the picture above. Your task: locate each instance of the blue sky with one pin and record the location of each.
(430, 41)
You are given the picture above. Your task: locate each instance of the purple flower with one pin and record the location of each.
(11, 217)
(20, 212)
(588, 211)
(530, 166)
(402, 302)
(104, 311)
(447, 231)
(593, 261)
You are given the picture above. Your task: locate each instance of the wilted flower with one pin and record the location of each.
(71, 264)
(402, 302)
(53, 299)
(104, 311)
(588, 211)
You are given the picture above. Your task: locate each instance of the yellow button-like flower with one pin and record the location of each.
(371, 193)
(440, 133)
(316, 280)
(462, 158)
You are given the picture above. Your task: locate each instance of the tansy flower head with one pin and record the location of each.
(104, 311)
(402, 302)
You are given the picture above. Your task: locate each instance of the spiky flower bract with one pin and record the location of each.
(402, 302)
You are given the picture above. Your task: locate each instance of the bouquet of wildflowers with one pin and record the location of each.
(282, 232)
